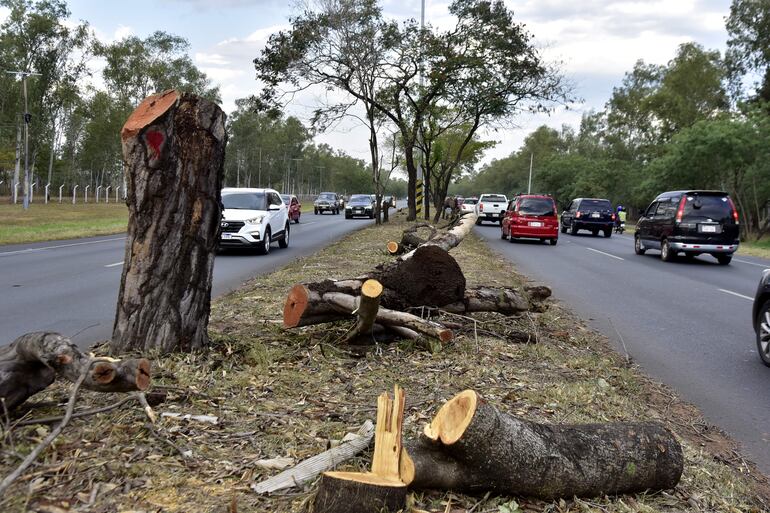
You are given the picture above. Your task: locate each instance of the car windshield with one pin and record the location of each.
(592, 205)
(329, 197)
(702, 208)
(360, 198)
(245, 201)
(470, 201)
(494, 197)
(536, 206)
(286, 198)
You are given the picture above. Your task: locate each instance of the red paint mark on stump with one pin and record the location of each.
(155, 141)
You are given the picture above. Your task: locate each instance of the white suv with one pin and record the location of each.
(253, 218)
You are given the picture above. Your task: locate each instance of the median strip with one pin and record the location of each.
(605, 254)
(736, 294)
(115, 264)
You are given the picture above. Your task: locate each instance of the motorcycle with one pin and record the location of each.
(620, 227)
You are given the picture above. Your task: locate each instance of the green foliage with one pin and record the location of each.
(748, 49)
(137, 68)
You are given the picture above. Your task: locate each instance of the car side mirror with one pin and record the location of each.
(274, 207)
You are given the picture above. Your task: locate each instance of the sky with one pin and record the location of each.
(597, 41)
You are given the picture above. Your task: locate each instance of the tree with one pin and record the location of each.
(748, 48)
(486, 67)
(137, 67)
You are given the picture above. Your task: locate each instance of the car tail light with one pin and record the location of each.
(735, 211)
(481, 207)
(578, 214)
(613, 216)
(680, 210)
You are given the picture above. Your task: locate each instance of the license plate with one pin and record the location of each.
(708, 228)
(535, 223)
(595, 215)
(227, 236)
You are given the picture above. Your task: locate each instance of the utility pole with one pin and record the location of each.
(27, 119)
(295, 178)
(418, 192)
(529, 185)
(259, 175)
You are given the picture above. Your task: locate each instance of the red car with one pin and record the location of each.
(293, 205)
(531, 216)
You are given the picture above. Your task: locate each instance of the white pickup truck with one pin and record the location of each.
(491, 207)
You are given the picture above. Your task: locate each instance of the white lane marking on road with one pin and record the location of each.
(34, 250)
(605, 254)
(115, 264)
(736, 294)
(750, 263)
(307, 224)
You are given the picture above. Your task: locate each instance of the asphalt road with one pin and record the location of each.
(71, 287)
(687, 324)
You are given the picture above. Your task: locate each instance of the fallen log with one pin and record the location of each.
(449, 238)
(381, 489)
(33, 361)
(472, 446)
(305, 307)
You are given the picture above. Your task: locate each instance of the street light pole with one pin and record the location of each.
(27, 119)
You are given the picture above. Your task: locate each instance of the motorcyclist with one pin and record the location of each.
(620, 219)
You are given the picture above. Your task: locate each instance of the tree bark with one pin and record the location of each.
(505, 454)
(32, 362)
(173, 146)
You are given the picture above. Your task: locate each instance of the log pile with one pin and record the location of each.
(33, 361)
(428, 276)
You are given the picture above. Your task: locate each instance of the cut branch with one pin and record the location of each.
(32, 362)
(368, 305)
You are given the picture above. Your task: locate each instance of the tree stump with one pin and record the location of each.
(174, 148)
(380, 490)
(472, 446)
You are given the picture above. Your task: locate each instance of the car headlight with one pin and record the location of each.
(256, 220)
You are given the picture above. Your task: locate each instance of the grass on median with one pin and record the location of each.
(53, 221)
(284, 393)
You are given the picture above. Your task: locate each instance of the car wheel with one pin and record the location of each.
(264, 248)
(724, 259)
(553, 241)
(284, 242)
(573, 229)
(297, 220)
(563, 229)
(315, 211)
(763, 333)
(478, 221)
(348, 216)
(608, 233)
(666, 253)
(511, 239)
(638, 248)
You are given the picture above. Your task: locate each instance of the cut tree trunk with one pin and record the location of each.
(387, 317)
(450, 238)
(380, 490)
(174, 147)
(33, 361)
(368, 305)
(479, 448)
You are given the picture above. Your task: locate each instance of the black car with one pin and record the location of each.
(689, 222)
(761, 316)
(327, 201)
(360, 205)
(592, 214)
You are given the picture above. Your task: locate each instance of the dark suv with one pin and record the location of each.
(591, 214)
(327, 201)
(689, 222)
